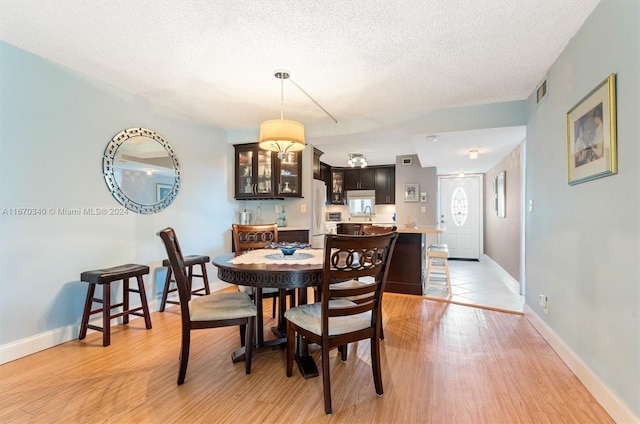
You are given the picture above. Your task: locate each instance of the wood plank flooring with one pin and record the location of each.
(441, 363)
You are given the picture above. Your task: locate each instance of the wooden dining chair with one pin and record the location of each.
(208, 311)
(249, 237)
(334, 321)
(367, 229)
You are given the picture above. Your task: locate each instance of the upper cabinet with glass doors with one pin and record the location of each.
(259, 174)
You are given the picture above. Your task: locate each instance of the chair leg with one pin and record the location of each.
(375, 364)
(165, 291)
(343, 352)
(205, 278)
(243, 333)
(248, 350)
(291, 345)
(184, 355)
(326, 381)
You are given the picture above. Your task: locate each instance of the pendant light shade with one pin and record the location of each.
(281, 135)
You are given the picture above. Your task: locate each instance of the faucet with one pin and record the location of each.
(365, 211)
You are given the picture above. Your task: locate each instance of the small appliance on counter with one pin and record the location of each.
(245, 218)
(334, 216)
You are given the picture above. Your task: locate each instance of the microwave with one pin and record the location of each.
(334, 216)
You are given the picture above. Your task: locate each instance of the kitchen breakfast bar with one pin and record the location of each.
(407, 269)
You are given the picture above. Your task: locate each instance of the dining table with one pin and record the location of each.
(270, 268)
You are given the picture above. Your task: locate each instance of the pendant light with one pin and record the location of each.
(282, 135)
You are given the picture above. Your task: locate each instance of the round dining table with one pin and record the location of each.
(274, 274)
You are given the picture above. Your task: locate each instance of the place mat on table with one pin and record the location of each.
(275, 256)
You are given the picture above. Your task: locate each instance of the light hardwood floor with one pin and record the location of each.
(441, 363)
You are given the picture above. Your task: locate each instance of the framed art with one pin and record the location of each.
(411, 192)
(591, 134)
(500, 195)
(162, 190)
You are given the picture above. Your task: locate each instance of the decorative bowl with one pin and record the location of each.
(288, 250)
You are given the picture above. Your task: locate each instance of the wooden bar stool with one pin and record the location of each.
(189, 262)
(438, 267)
(105, 277)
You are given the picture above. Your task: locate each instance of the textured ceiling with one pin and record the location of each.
(371, 61)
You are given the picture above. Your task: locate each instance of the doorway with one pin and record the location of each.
(460, 200)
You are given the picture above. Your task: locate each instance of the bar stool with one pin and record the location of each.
(189, 262)
(438, 267)
(105, 277)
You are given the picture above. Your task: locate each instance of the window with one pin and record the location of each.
(459, 206)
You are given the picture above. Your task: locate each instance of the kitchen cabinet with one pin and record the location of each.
(385, 183)
(325, 175)
(337, 187)
(259, 174)
(359, 179)
(316, 164)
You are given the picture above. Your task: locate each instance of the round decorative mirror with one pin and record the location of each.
(141, 170)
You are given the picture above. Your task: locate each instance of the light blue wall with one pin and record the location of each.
(583, 241)
(54, 127)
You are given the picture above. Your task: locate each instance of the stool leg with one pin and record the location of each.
(426, 289)
(143, 300)
(87, 311)
(446, 270)
(165, 291)
(125, 301)
(106, 314)
(205, 278)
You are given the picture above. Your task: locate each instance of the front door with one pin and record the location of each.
(460, 212)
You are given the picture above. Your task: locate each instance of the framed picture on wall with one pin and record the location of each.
(411, 192)
(591, 134)
(500, 195)
(162, 190)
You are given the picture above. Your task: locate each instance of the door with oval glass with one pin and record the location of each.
(460, 211)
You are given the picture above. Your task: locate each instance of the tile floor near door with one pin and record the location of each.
(482, 283)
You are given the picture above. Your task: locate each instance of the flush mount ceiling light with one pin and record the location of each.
(432, 138)
(284, 135)
(473, 154)
(357, 159)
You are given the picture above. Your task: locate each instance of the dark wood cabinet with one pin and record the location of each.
(359, 179)
(259, 174)
(325, 175)
(385, 183)
(316, 164)
(406, 269)
(337, 187)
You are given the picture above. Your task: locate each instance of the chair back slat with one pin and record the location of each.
(348, 257)
(249, 237)
(369, 229)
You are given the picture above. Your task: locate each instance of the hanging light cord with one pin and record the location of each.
(313, 100)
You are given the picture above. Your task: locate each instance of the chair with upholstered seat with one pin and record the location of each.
(208, 311)
(249, 237)
(334, 321)
(367, 229)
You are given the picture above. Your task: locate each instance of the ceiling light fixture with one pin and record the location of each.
(281, 135)
(473, 154)
(432, 138)
(357, 159)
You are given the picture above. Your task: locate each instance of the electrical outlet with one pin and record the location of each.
(303, 207)
(278, 208)
(544, 302)
(423, 209)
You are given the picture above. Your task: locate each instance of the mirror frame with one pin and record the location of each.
(108, 160)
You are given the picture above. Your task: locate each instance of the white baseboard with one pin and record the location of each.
(30, 345)
(614, 407)
(515, 284)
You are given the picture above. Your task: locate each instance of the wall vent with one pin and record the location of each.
(407, 161)
(541, 91)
